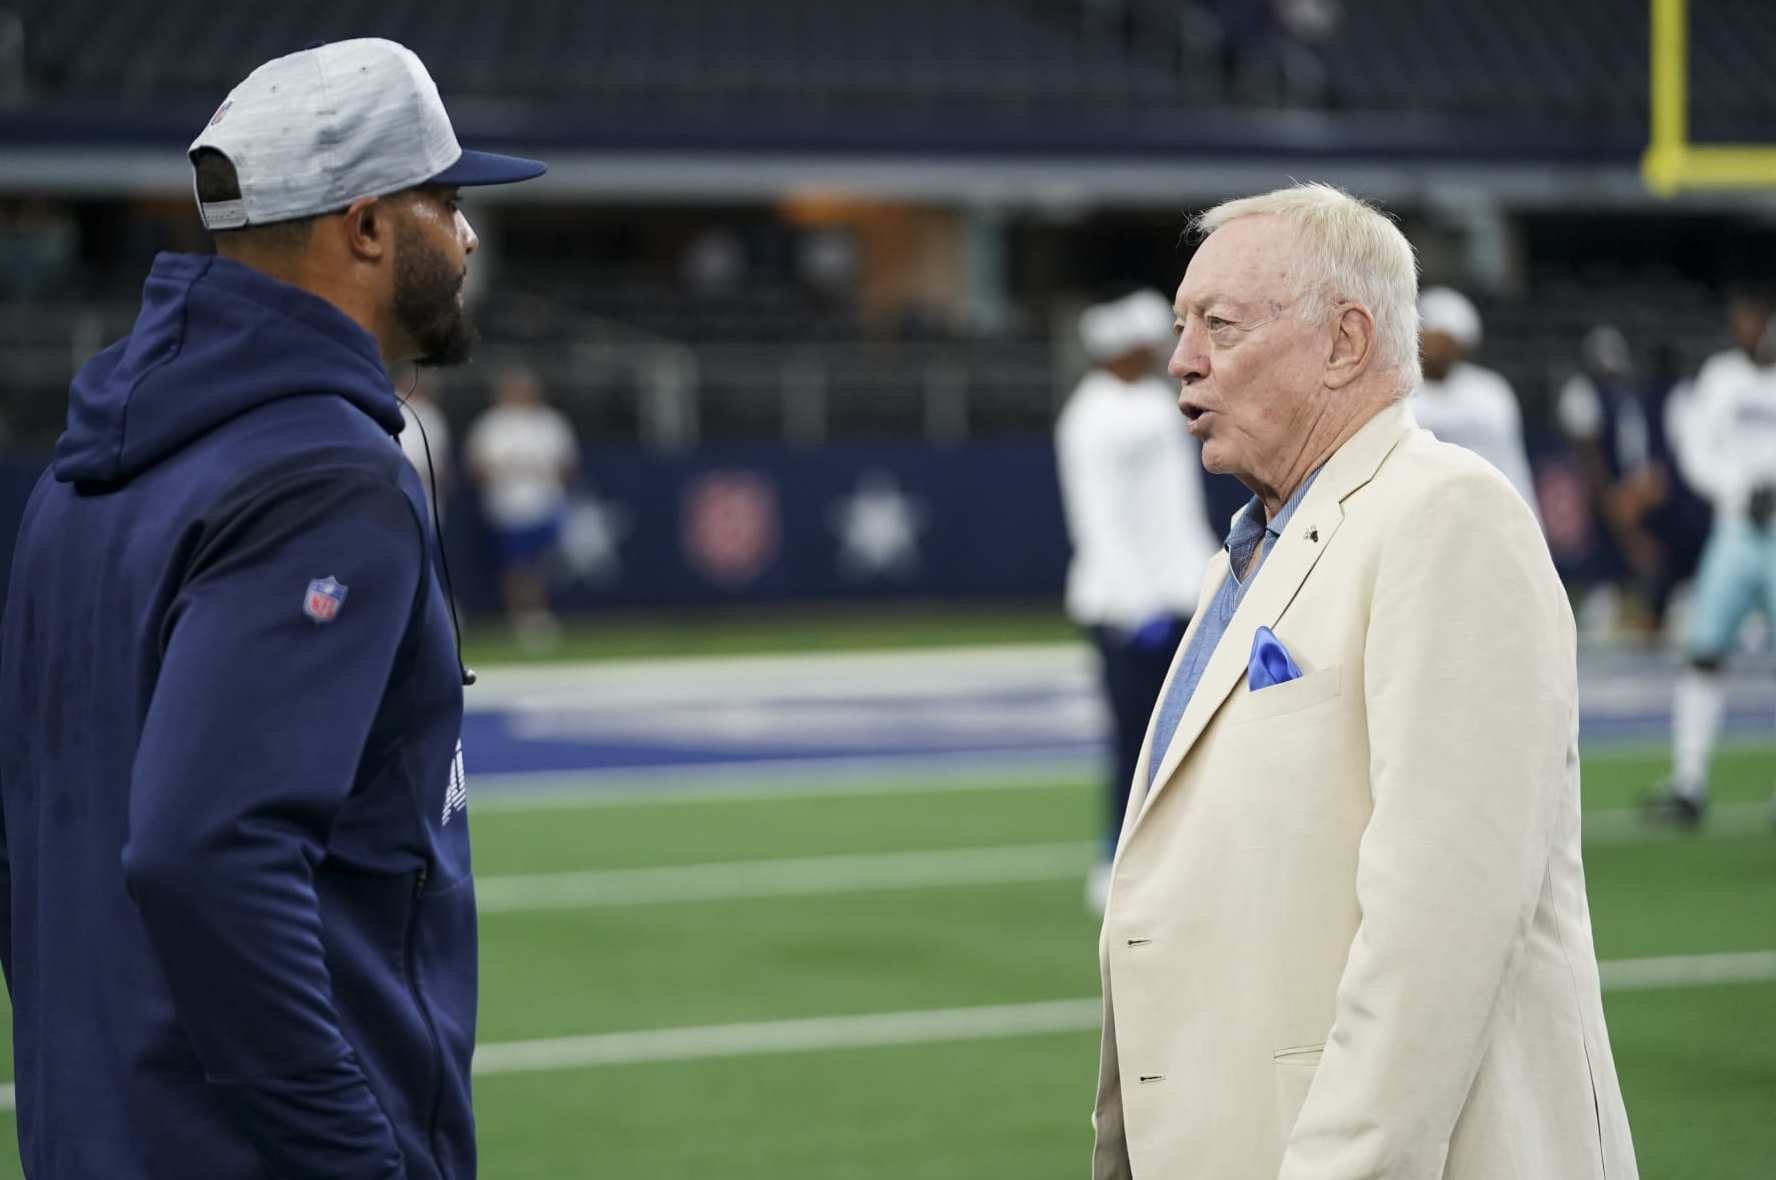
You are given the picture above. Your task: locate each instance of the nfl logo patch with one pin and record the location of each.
(323, 599)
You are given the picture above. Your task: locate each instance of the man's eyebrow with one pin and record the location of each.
(1202, 301)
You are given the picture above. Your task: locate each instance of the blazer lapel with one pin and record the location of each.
(1279, 579)
(1212, 579)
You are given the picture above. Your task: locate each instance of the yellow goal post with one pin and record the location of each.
(1672, 163)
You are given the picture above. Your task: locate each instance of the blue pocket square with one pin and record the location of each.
(1270, 663)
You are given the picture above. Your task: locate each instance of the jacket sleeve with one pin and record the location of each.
(1469, 687)
(1705, 452)
(252, 741)
(5, 899)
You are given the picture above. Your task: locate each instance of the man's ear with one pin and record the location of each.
(368, 226)
(1353, 345)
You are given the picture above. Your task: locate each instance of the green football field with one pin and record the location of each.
(897, 983)
(777, 631)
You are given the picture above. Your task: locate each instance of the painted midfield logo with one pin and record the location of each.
(325, 597)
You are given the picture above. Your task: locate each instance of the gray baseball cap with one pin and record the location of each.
(311, 132)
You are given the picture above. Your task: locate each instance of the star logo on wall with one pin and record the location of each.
(879, 527)
(591, 538)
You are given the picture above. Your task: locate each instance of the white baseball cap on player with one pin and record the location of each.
(1443, 309)
(1141, 319)
(311, 132)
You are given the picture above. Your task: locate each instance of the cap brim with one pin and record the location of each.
(489, 168)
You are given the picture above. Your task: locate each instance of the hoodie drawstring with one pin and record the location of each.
(468, 673)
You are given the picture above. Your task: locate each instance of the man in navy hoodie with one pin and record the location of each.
(239, 928)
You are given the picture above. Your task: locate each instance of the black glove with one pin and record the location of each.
(1762, 507)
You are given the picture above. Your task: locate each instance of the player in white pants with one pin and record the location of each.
(1729, 455)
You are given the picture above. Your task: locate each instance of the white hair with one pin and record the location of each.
(1350, 252)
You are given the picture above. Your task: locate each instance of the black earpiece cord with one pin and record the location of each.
(468, 673)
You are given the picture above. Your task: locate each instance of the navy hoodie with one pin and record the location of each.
(239, 925)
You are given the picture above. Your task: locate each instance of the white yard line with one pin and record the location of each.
(1614, 680)
(789, 1036)
(1627, 975)
(962, 1024)
(998, 864)
(971, 1024)
(815, 875)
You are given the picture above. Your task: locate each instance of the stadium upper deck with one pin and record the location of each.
(1513, 75)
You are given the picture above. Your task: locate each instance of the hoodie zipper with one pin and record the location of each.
(419, 887)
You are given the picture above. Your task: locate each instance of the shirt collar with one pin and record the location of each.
(1250, 527)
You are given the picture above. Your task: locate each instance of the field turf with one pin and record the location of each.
(816, 911)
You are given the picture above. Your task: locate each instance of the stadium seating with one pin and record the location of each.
(686, 53)
(771, 360)
(770, 364)
(1523, 62)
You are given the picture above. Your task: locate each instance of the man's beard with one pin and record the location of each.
(426, 305)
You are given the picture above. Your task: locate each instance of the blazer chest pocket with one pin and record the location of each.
(1304, 692)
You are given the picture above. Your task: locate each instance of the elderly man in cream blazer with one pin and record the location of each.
(1347, 935)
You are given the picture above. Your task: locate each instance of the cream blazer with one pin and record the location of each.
(1347, 935)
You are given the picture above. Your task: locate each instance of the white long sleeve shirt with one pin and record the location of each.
(426, 428)
(522, 455)
(1727, 446)
(1131, 484)
(1474, 407)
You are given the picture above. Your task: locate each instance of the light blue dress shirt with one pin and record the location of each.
(1249, 529)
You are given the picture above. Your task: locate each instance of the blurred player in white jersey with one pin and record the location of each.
(425, 438)
(1131, 484)
(523, 454)
(1461, 402)
(1729, 455)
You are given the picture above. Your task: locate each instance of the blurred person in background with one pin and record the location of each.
(523, 456)
(39, 246)
(1660, 495)
(1273, 51)
(1603, 413)
(238, 924)
(1729, 454)
(1132, 490)
(1347, 932)
(1459, 401)
(425, 438)
(714, 262)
